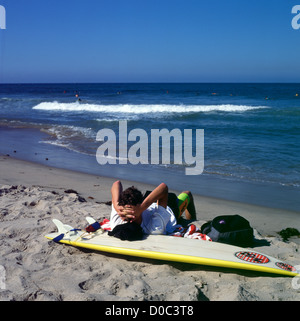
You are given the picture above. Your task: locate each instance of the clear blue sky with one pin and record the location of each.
(149, 41)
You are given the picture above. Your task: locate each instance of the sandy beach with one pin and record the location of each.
(203, 96)
(34, 268)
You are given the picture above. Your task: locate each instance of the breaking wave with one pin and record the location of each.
(143, 109)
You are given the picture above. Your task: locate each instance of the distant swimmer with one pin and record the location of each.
(77, 96)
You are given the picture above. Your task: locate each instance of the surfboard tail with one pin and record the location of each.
(90, 220)
(62, 228)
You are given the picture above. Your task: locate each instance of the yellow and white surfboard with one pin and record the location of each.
(171, 248)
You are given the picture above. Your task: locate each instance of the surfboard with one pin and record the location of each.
(171, 248)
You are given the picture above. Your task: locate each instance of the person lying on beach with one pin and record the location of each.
(151, 212)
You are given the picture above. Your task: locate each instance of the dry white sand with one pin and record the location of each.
(34, 268)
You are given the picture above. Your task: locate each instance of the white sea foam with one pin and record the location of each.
(142, 109)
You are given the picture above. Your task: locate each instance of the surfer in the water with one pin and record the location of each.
(153, 211)
(77, 97)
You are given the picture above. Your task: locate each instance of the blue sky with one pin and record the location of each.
(149, 41)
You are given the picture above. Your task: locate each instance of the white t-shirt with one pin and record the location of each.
(155, 220)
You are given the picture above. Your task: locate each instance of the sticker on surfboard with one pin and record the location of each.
(252, 257)
(285, 266)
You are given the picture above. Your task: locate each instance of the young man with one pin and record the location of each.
(152, 213)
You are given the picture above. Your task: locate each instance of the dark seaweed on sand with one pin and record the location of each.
(288, 232)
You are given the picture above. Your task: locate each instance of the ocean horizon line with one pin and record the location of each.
(154, 82)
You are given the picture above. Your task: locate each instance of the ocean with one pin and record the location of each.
(251, 133)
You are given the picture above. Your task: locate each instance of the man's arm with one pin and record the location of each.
(116, 191)
(134, 213)
(159, 195)
(125, 212)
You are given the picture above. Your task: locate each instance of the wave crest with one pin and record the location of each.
(143, 109)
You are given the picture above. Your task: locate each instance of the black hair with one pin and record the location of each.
(131, 196)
